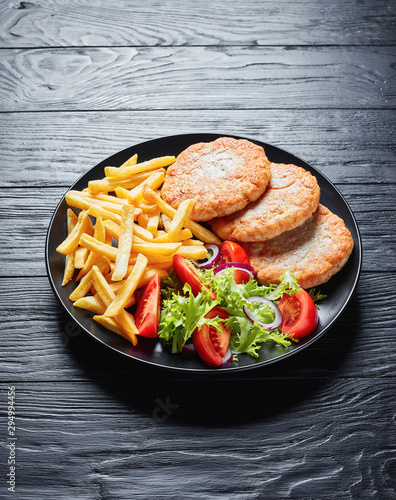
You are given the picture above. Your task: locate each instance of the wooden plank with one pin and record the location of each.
(38, 342)
(104, 440)
(26, 214)
(88, 23)
(55, 149)
(171, 78)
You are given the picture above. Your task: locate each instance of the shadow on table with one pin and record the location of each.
(221, 399)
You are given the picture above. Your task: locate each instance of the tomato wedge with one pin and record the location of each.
(210, 344)
(185, 274)
(149, 307)
(299, 314)
(232, 252)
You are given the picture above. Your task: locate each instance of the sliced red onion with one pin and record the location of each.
(269, 326)
(208, 264)
(189, 350)
(227, 358)
(238, 265)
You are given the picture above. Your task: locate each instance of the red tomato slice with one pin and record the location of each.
(210, 344)
(299, 314)
(148, 309)
(185, 274)
(232, 252)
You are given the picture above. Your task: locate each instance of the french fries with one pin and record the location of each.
(123, 235)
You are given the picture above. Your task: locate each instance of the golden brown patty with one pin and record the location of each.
(291, 197)
(313, 252)
(223, 176)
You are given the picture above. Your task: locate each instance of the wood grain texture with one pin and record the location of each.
(197, 77)
(89, 22)
(108, 441)
(39, 343)
(55, 149)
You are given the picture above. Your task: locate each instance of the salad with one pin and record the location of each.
(216, 310)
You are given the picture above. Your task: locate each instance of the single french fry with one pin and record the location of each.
(113, 326)
(192, 242)
(92, 303)
(197, 230)
(99, 247)
(163, 249)
(152, 224)
(131, 161)
(127, 172)
(166, 221)
(143, 220)
(124, 243)
(105, 185)
(154, 181)
(181, 215)
(114, 230)
(106, 197)
(123, 194)
(184, 234)
(80, 257)
(68, 272)
(97, 211)
(70, 244)
(192, 252)
(93, 257)
(128, 288)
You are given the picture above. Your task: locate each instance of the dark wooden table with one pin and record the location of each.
(80, 81)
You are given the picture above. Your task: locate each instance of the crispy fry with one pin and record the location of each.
(92, 303)
(181, 215)
(68, 272)
(124, 242)
(152, 224)
(80, 257)
(154, 181)
(114, 230)
(184, 234)
(192, 252)
(84, 225)
(106, 185)
(93, 257)
(197, 230)
(131, 161)
(128, 288)
(193, 242)
(96, 246)
(156, 248)
(123, 173)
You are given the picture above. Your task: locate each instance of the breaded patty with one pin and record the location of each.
(223, 176)
(291, 197)
(313, 252)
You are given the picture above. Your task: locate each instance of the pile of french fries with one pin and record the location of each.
(123, 235)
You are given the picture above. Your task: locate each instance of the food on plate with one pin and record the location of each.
(223, 176)
(122, 247)
(313, 252)
(291, 197)
(144, 266)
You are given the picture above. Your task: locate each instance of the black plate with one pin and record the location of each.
(149, 351)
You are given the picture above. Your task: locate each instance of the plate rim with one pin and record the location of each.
(208, 136)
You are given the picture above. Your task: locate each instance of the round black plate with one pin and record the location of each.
(150, 351)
